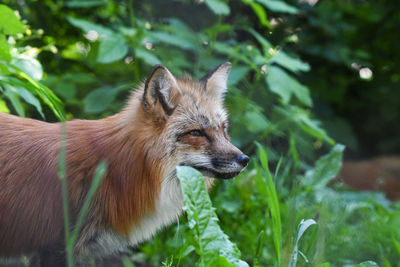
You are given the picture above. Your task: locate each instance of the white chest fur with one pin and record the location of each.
(168, 208)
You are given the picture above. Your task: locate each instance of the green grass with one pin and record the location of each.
(311, 224)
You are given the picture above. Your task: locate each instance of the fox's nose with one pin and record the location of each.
(242, 159)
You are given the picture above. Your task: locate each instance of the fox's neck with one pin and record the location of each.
(136, 167)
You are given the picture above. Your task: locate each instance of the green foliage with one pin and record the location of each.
(19, 74)
(9, 23)
(293, 89)
(210, 242)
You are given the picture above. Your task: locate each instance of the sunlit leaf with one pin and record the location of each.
(4, 49)
(3, 106)
(9, 23)
(30, 66)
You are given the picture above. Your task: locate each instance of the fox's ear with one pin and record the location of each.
(160, 91)
(216, 80)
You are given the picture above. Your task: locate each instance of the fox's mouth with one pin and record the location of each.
(216, 174)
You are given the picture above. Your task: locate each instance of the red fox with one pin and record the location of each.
(166, 122)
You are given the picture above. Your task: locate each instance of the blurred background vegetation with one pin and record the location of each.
(306, 74)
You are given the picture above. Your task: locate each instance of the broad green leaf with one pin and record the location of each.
(256, 121)
(284, 85)
(4, 49)
(148, 57)
(30, 66)
(290, 63)
(112, 48)
(172, 39)
(65, 90)
(211, 243)
(261, 39)
(303, 226)
(30, 99)
(326, 168)
(218, 7)
(307, 124)
(278, 6)
(25, 95)
(99, 100)
(36, 88)
(9, 23)
(87, 26)
(237, 73)
(84, 4)
(13, 96)
(3, 106)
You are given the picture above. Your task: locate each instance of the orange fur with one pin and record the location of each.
(140, 192)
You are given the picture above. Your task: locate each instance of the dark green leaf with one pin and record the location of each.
(147, 56)
(112, 48)
(290, 63)
(281, 83)
(87, 26)
(278, 6)
(99, 100)
(172, 39)
(84, 4)
(218, 7)
(13, 96)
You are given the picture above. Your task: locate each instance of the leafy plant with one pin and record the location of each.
(210, 242)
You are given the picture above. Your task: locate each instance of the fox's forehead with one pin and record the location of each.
(196, 106)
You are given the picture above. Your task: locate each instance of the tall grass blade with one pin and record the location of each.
(101, 169)
(272, 199)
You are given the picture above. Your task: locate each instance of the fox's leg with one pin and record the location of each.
(50, 257)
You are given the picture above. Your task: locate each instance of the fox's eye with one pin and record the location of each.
(196, 133)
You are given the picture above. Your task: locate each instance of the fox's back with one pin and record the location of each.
(29, 209)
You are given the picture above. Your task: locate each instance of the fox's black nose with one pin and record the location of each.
(242, 159)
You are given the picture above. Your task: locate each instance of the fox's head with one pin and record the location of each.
(193, 121)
